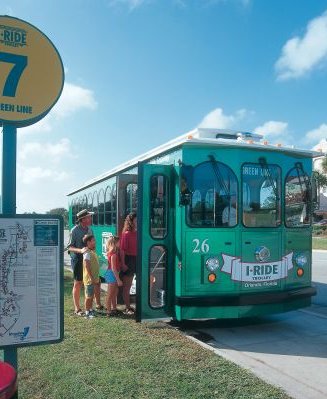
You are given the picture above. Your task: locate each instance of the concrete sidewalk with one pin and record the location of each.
(288, 350)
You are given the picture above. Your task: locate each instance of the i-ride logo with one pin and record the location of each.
(254, 272)
(21, 335)
(13, 37)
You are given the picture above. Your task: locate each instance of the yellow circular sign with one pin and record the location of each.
(31, 73)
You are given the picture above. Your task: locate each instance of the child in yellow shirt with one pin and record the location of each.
(91, 270)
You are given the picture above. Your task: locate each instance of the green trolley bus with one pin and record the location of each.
(224, 225)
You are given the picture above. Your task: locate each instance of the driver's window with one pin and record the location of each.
(213, 195)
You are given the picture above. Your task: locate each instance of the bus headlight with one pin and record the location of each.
(212, 264)
(301, 260)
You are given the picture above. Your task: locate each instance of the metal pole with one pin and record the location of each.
(9, 149)
(9, 169)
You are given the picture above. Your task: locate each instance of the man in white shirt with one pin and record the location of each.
(229, 215)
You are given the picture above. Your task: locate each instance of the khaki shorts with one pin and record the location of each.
(89, 290)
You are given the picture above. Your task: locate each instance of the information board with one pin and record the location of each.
(31, 279)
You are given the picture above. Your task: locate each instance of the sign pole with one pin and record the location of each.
(9, 169)
(9, 148)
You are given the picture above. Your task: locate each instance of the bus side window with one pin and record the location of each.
(107, 206)
(101, 202)
(131, 198)
(158, 206)
(95, 208)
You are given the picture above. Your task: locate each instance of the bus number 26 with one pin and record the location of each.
(199, 246)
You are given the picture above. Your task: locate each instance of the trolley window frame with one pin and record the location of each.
(308, 203)
(234, 194)
(279, 191)
(167, 205)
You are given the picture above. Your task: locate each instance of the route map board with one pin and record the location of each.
(31, 279)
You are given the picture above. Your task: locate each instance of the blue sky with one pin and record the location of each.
(141, 72)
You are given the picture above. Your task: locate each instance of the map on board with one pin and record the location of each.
(29, 280)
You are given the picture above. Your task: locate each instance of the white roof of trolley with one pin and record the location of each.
(219, 137)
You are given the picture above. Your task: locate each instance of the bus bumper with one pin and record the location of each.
(242, 305)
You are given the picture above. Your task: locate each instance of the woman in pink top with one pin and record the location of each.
(128, 246)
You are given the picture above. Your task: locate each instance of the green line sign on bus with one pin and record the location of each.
(31, 73)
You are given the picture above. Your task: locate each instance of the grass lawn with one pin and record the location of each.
(319, 242)
(118, 358)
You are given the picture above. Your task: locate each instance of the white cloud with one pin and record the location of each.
(216, 119)
(7, 10)
(208, 3)
(301, 55)
(38, 163)
(280, 130)
(50, 152)
(272, 129)
(315, 135)
(44, 125)
(40, 189)
(45, 170)
(180, 3)
(73, 99)
(44, 175)
(37, 174)
(131, 4)
(321, 146)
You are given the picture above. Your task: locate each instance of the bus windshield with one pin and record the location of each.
(297, 198)
(213, 198)
(261, 195)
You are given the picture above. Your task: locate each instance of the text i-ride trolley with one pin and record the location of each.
(224, 225)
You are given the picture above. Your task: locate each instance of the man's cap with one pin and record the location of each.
(83, 213)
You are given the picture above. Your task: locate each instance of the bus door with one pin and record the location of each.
(154, 276)
(126, 186)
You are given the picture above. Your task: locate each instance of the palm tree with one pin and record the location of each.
(324, 164)
(321, 178)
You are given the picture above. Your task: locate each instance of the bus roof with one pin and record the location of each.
(200, 136)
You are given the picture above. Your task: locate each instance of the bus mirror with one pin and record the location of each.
(184, 199)
(185, 185)
(315, 184)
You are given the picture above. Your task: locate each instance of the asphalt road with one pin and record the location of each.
(287, 350)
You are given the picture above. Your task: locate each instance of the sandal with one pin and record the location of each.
(115, 312)
(129, 311)
(109, 314)
(79, 312)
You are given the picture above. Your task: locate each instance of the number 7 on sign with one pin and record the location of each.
(20, 63)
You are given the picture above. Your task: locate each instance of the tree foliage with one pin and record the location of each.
(62, 212)
(324, 164)
(321, 179)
